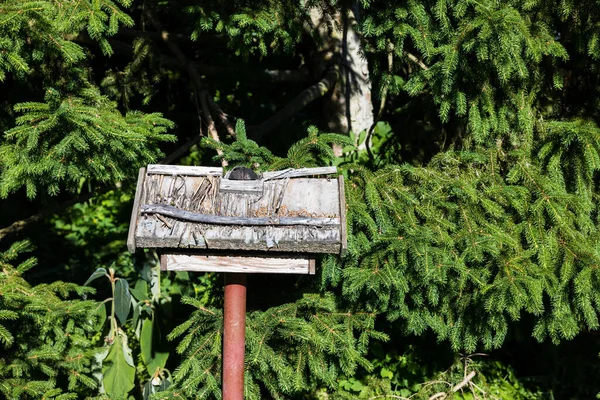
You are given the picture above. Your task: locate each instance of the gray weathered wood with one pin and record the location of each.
(183, 170)
(311, 266)
(213, 263)
(343, 227)
(301, 239)
(288, 215)
(204, 171)
(136, 210)
(227, 185)
(297, 173)
(184, 215)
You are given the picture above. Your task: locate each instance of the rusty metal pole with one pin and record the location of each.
(234, 336)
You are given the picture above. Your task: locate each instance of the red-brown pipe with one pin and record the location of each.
(234, 336)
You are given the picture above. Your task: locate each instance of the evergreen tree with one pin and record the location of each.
(44, 334)
(472, 198)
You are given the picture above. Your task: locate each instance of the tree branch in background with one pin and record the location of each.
(258, 131)
(212, 129)
(414, 59)
(196, 80)
(194, 70)
(222, 116)
(298, 103)
(384, 92)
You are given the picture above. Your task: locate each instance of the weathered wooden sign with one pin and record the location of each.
(193, 213)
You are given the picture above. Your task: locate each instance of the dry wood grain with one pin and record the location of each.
(243, 264)
(174, 212)
(135, 213)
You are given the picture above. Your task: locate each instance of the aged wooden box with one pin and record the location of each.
(195, 210)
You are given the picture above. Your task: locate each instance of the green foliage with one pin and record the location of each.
(468, 244)
(76, 134)
(30, 31)
(242, 151)
(483, 61)
(311, 151)
(67, 140)
(472, 211)
(290, 348)
(118, 366)
(405, 376)
(252, 28)
(44, 334)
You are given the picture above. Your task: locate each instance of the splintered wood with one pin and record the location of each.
(195, 208)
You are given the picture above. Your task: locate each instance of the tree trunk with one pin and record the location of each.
(349, 108)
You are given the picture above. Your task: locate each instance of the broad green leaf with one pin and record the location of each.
(136, 315)
(97, 274)
(102, 317)
(122, 300)
(119, 375)
(140, 290)
(152, 358)
(386, 373)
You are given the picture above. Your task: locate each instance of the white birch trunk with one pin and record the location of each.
(350, 107)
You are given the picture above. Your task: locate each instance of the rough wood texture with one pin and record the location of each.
(135, 213)
(179, 214)
(183, 170)
(227, 185)
(210, 263)
(187, 209)
(204, 171)
(298, 173)
(343, 226)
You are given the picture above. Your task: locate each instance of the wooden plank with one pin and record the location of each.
(311, 266)
(227, 185)
(312, 196)
(136, 210)
(343, 222)
(277, 239)
(245, 264)
(297, 173)
(185, 170)
(174, 212)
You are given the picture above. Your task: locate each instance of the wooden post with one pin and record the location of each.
(234, 332)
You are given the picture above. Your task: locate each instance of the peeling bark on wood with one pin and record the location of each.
(135, 213)
(187, 208)
(177, 213)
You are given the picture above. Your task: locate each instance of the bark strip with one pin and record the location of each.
(174, 212)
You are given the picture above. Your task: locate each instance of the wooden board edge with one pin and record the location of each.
(298, 173)
(237, 264)
(135, 212)
(187, 170)
(343, 222)
(163, 262)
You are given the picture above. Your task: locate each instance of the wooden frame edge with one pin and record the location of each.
(343, 222)
(135, 212)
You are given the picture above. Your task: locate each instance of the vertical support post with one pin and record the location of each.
(234, 336)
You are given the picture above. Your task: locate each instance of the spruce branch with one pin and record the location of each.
(22, 224)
